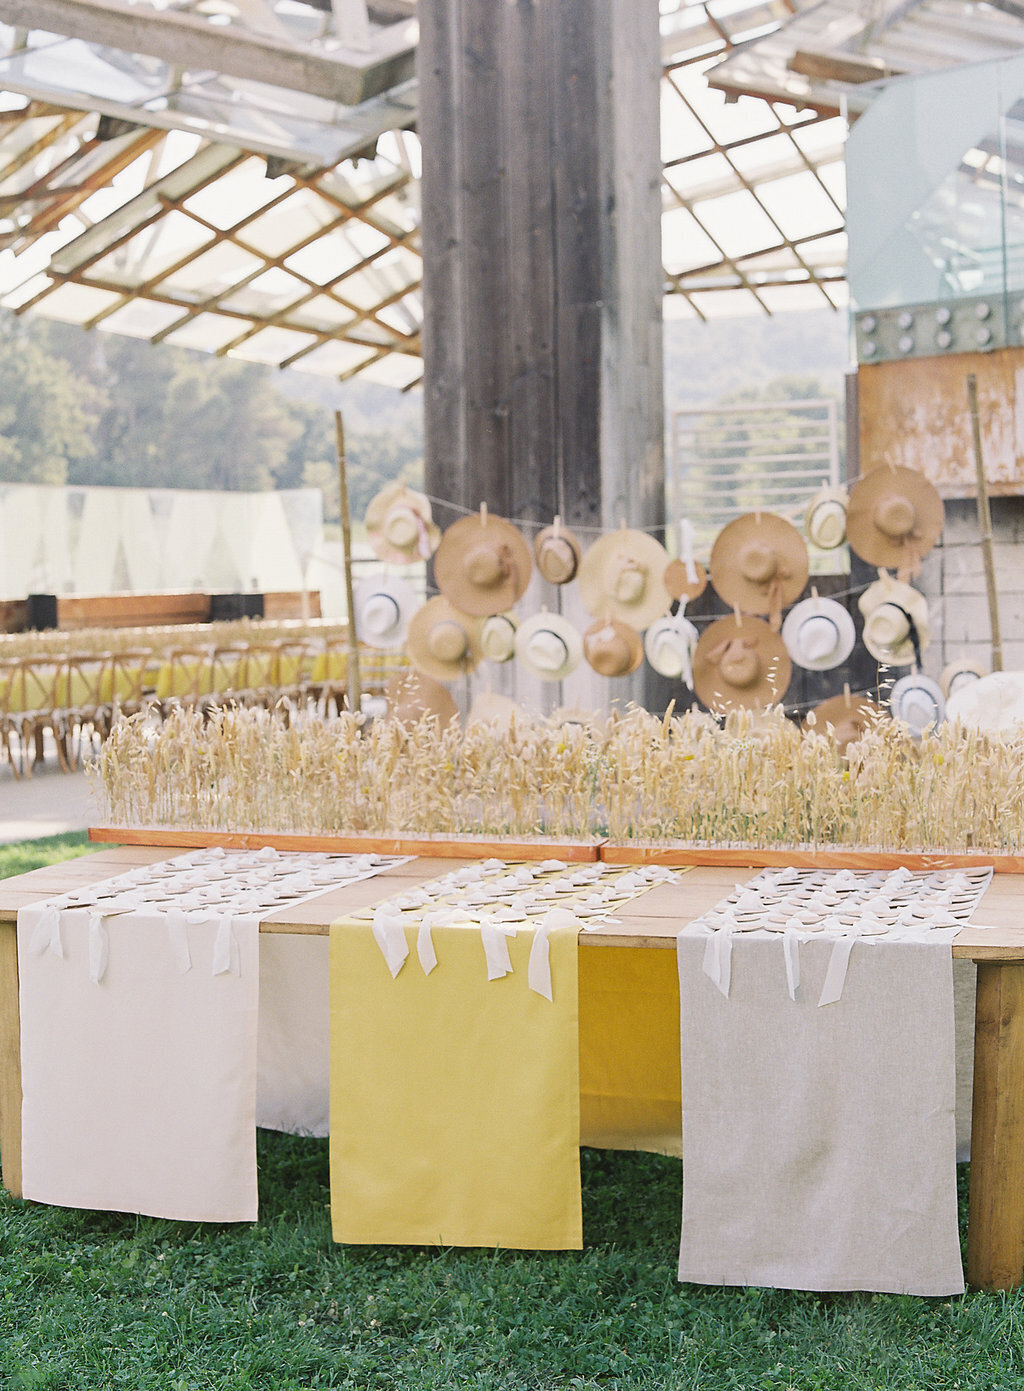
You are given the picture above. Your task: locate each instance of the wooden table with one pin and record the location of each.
(995, 1248)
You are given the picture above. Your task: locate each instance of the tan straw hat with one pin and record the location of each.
(399, 525)
(825, 518)
(895, 622)
(613, 648)
(819, 634)
(557, 552)
(740, 662)
(383, 611)
(894, 518)
(679, 583)
(622, 576)
(412, 696)
(442, 641)
(759, 564)
(483, 564)
(548, 646)
(498, 637)
(956, 675)
(849, 717)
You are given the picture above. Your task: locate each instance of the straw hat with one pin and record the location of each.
(482, 564)
(956, 675)
(825, 518)
(895, 622)
(411, 695)
(740, 663)
(548, 646)
(849, 716)
(669, 644)
(442, 641)
(383, 611)
(894, 518)
(759, 564)
(818, 633)
(489, 707)
(498, 637)
(612, 648)
(557, 553)
(678, 582)
(917, 701)
(399, 525)
(993, 704)
(622, 576)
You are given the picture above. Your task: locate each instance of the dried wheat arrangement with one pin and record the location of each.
(752, 781)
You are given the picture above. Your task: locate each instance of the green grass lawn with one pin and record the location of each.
(102, 1300)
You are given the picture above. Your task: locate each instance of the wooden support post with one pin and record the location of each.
(995, 1238)
(355, 690)
(10, 1061)
(985, 525)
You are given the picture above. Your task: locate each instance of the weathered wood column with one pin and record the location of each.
(542, 251)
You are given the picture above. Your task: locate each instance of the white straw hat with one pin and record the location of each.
(956, 675)
(383, 611)
(669, 644)
(819, 634)
(825, 518)
(895, 621)
(993, 704)
(917, 701)
(548, 646)
(498, 637)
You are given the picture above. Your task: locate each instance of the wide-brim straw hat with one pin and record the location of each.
(895, 613)
(412, 696)
(993, 704)
(498, 637)
(488, 707)
(740, 663)
(681, 583)
(849, 717)
(548, 646)
(917, 701)
(483, 564)
(825, 518)
(894, 518)
(759, 564)
(819, 634)
(669, 644)
(557, 554)
(613, 648)
(622, 576)
(955, 675)
(442, 641)
(400, 525)
(383, 611)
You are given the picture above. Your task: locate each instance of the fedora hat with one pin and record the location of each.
(613, 648)
(848, 716)
(759, 564)
(956, 675)
(825, 518)
(740, 662)
(482, 564)
(993, 704)
(917, 701)
(669, 644)
(443, 642)
(622, 576)
(412, 695)
(383, 610)
(556, 553)
(548, 646)
(819, 634)
(400, 526)
(498, 637)
(894, 518)
(895, 622)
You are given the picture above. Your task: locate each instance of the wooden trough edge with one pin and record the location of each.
(839, 858)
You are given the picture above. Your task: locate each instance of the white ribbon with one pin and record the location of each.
(494, 936)
(389, 934)
(835, 975)
(538, 971)
(687, 536)
(46, 933)
(226, 956)
(177, 936)
(717, 964)
(425, 945)
(99, 948)
(791, 955)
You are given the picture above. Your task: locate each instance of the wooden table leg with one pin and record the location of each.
(995, 1234)
(10, 1061)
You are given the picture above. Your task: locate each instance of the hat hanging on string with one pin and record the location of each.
(825, 518)
(848, 717)
(894, 518)
(685, 578)
(412, 696)
(498, 636)
(482, 564)
(400, 526)
(956, 675)
(819, 633)
(992, 705)
(896, 630)
(443, 642)
(383, 611)
(740, 663)
(557, 553)
(488, 707)
(548, 646)
(917, 702)
(669, 644)
(613, 648)
(622, 576)
(759, 564)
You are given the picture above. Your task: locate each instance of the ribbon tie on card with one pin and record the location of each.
(494, 936)
(99, 948)
(835, 975)
(538, 971)
(425, 943)
(389, 934)
(226, 956)
(46, 933)
(717, 963)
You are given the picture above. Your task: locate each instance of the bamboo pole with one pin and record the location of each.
(355, 693)
(985, 526)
